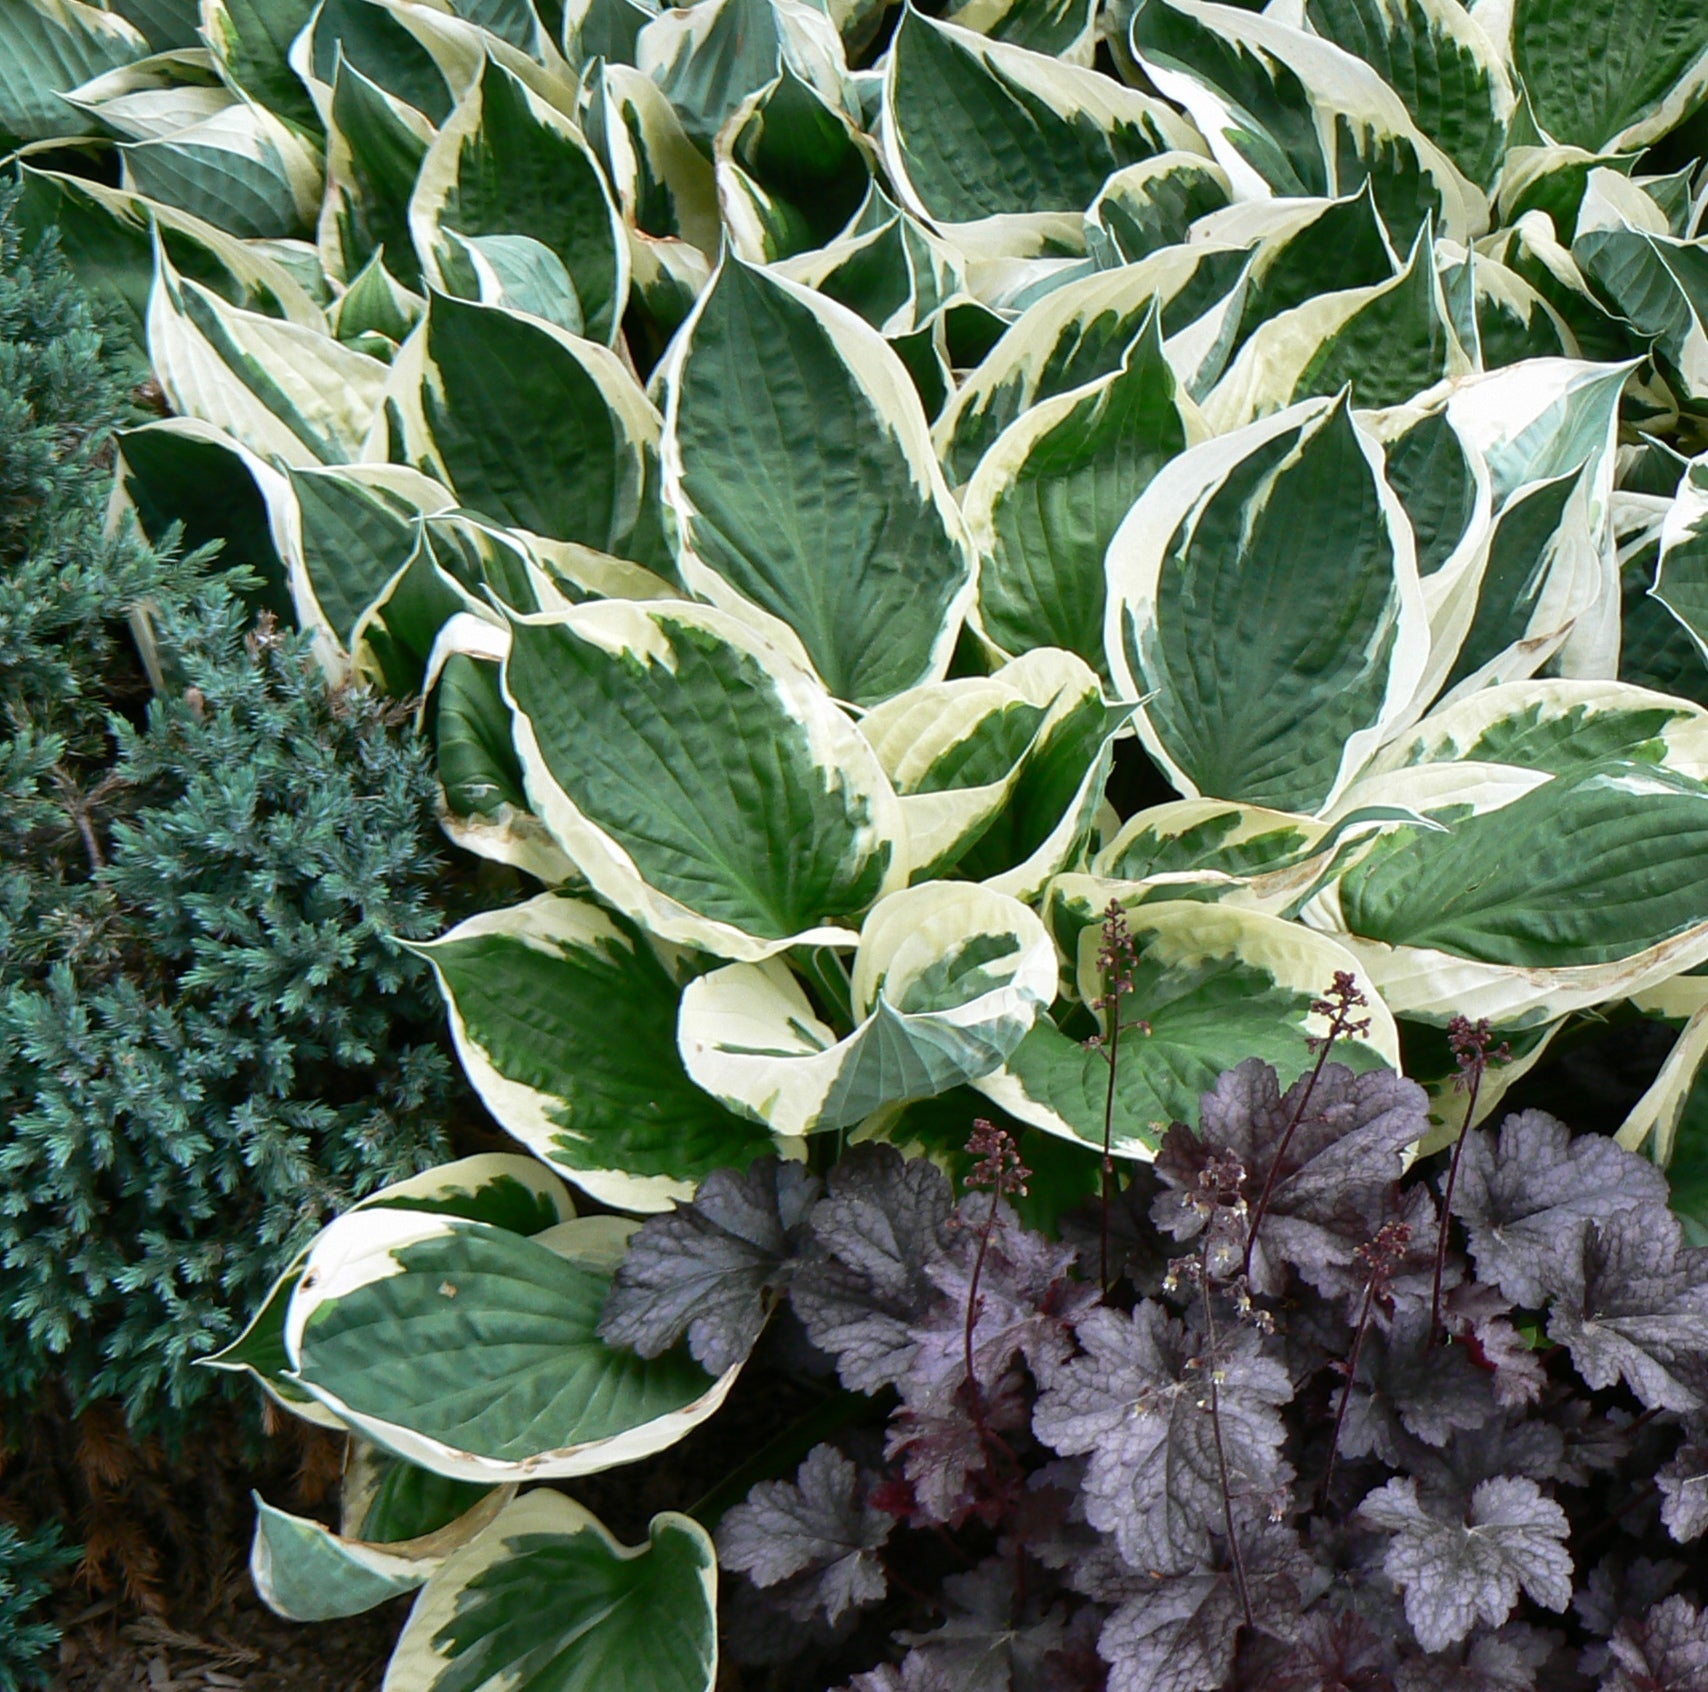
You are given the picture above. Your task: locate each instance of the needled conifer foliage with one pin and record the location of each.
(210, 1035)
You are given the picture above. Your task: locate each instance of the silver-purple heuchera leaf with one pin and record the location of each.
(709, 1270)
(1683, 1481)
(813, 1539)
(1344, 1146)
(882, 1221)
(1180, 1634)
(1631, 1303)
(1167, 1424)
(1525, 1191)
(1663, 1651)
(1508, 1661)
(1458, 1567)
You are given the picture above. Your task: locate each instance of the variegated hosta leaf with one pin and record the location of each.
(963, 753)
(703, 783)
(1003, 148)
(1681, 580)
(517, 1193)
(343, 534)
(1063, 29)
(375, 144)
(377, 39)
(799, 470)
(48, 47)
(485, 800)
(375, 313)
(472, 1350)
(1540, 895)
(237, 167)
(304, 1571)
(1609, 77)
(106, 233)
(643, 1618)
(711, 57)
(532, 426)
(1216, 986)
(1559, 726)
(1301, 249)
(1441, 63)
(1499, 317)
(1049, 495)
(1289, 112)
(1387, 343)
(947, 980)
(508, 169)
(1670, 1123)
(603, 29)
(792, 172)
(1073, 336)
(1265, 589)
(1660, 287)
(665, 188)
(280, 389)
(897, 275)
(251, 41)
(565, 1021)
(181, 471)
(1151, 205)
(1202, 848)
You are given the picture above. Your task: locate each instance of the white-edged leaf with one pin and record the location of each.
(304, 1571)
(1152, 204)
(704, 783)
(642, 1618)
(1387, 344)
(1265, 590)
(947, 980)
(998, 146)
(711, 57)
(565, 1022)
(1074, 335)
(1541, 895)
(534, 427)
(282, 390)
(1441, 63)
(1609, 77)
(799, 469)
(508, 164)
(1217, 985)
(473, 1351)
(1049, 495)
(960, 752)
(48, 47)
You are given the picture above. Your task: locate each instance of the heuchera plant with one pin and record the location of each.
(1326, 1424)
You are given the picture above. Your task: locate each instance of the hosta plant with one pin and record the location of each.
(795, 451)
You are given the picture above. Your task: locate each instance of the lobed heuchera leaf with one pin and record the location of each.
(1151, 1405)
(704, 1271)
(813, 1538)
(1027, 1302)
(1340, 1162)
(1524, 1192)
(993, 1638)
(862, 1280)
(1457, 1568)
(1180, 1634)
(1663, 1651)
(1684, 1486)
(1631, 1302)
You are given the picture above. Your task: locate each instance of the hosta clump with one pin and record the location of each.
(788, 448)
(1312, 1433)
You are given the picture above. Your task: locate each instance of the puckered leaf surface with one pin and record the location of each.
(816, 1533)
(1139, 1401)
(1525, 1192)
(703, 1271)
(1459, 1568)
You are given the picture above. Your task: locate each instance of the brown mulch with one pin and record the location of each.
(238, 1647)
